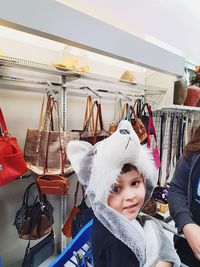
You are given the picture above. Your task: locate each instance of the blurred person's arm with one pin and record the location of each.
(178, 194)
(192, 234)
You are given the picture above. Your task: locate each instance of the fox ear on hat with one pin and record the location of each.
(76, 152)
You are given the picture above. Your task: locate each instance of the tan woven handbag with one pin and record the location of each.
(46, 139)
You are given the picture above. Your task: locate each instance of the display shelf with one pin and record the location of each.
(72, 75)
(180, 108)
(117, 82)
(12, 62)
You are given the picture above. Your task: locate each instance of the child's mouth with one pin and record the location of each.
(131, 208)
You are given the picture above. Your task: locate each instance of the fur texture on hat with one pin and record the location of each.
(99, 166)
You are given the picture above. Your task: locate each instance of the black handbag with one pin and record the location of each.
(84, 215)
(144, 116)
(35, 220)
(37, 254)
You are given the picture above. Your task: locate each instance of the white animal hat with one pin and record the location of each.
(99, 166)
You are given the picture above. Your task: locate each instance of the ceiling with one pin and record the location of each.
(174, 25)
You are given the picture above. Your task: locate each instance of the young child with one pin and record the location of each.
(119, 176)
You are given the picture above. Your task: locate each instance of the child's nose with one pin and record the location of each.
(129, 193)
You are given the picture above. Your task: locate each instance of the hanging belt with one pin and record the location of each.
(183, 134)
(162, 130)
(169, 151)
(179, 139)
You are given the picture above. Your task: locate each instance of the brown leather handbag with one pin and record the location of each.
(52, 184)
(138, 126)
(96, 135)
(55, 184)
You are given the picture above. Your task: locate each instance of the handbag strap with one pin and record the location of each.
(45, 118)
(117, 110)
(90, 118)
(45, 123)
(3, 124)
(26, 194)
(150, 127)
(147, 107)
(99, 111)
(42, 109)
(89, 114)
(128, 112)
(138, 105)
(133, 113)
(123, 110)
(76, 193)
(55, 107)
(98, 119)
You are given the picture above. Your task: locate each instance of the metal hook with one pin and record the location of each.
(48, 83)
(91, 90)
(124, 95)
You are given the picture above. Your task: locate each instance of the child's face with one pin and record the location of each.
(128, 195)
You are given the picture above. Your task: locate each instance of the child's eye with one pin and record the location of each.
(115, 188)
(135, 183)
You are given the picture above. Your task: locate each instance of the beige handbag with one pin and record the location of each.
(46, 141)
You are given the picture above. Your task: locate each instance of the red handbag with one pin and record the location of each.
(12, 163)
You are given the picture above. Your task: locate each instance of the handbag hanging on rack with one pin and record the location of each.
(38, 140)
(144, 115)
(12, 163)
(35, 220)
(82, 217)
(136, 123)
(94, 136)
(37, 254)
(117, 115)
(88, 122)
(138, 126)
(67, 227)
(55, 184)
(79, 216)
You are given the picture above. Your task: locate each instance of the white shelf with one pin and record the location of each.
(100, 82)
(181, 108)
